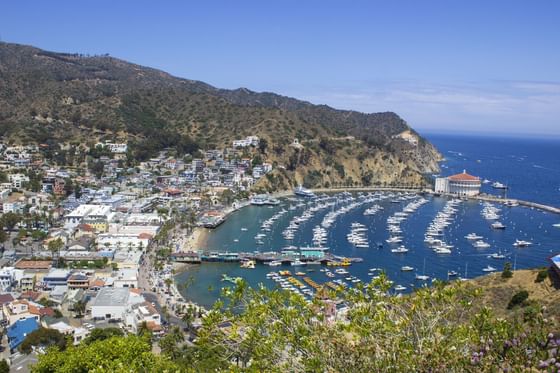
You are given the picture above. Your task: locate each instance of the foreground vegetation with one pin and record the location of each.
(443, 328)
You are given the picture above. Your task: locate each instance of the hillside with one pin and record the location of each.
(60, 97)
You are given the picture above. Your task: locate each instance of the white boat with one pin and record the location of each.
(298, 263)
(303, 192)
(400, 250)
(244, 229)
(522, 243)
(394, 239)
(498, 225)
(497, 256)
(452, 273)
(481, 244)
(488, 269)
(557, 225)
(400, 288)
(422, 277)
(473, 236)
(407, 268)
(498, 185)
(274, 263)
(442, 250)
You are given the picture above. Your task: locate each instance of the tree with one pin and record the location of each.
(99, 334)
(4, 366)
(54, 247)
(507, 272)
(169, 344)
(80, 308)
(115, 354)
(10, 219)
(43, 337)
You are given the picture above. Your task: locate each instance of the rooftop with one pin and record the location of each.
(463, 177)
(109, 297)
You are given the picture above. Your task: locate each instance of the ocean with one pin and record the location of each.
(530, 168)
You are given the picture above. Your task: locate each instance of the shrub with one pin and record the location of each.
(518, 298)
(507, 272)
(542, 275)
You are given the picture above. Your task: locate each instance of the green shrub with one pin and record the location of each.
(542, 275)
(507, 272)
(518, 298)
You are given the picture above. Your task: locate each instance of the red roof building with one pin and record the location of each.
(462, 184)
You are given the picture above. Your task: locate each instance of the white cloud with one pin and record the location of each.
(515, 107)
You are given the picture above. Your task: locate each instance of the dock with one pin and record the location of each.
(265, 257)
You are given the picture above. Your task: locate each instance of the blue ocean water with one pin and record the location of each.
(530, 167)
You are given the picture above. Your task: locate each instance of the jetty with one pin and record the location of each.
(263, 257)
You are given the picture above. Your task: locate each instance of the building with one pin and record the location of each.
(143, 313)
(461, 184)
(112, 303)
(96, 215)
(19, 330)
(56, 277)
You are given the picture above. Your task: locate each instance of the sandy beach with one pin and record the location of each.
(196, 239)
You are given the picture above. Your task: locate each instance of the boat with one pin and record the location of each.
(400, 250)
(300, 273)
(498, 185)
(488, 269)
(227, 278)
(407, 268)
(557, 225)
(422, 277)
(497, 225)
(285, 273)
(274, 263)
(473, 236)
(497, 256)
(298, 262)
(400, 288)
(244, 229)
(522, 243)
(481, 244)
(452, 273)
(249, 264)
(303, 192)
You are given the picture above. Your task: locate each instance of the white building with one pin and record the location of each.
(248, 141)
(112, 303)
(114, 241)
(461, 184)
(126, 278)
(90, 212)
(143, 313)
(18, 180)
(114, 148)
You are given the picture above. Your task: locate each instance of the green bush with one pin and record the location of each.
(542, 275)
(507, 272)
(518, 298)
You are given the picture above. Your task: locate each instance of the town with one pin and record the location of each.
(86, 249)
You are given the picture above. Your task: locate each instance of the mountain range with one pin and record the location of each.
(73, 98)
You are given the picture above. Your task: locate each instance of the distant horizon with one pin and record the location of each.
(440, 66)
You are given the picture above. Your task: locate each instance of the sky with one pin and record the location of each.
(444, 66)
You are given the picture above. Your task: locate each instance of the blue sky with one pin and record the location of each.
(465, 66)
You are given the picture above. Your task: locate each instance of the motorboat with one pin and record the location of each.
(400, 250)
(481, 244)
(488, 269)
(473, 236)
(452, 273)
(303, 192)
(498, 185)
(497, 256)
(422, 277)
(497, 225)
(400, 288)
(522, 243)
(407, 268)
(274, 263)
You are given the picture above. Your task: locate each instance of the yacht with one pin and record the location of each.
(274, 263)
(422, 277)
(497, 256)
(407, 268)
(498, 225)
(522, 243)
(481, 244)
(452, 273)
(488, 269)
(557, 225)
(442, 250)
(394, 239)
(473, 236)
(298, 262)
(498, 185)
(249, 264)
(303, 192)
(400, 250)
(400, 288)
(244, 229)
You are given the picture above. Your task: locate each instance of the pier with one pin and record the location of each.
(514, 202)
(262, 257)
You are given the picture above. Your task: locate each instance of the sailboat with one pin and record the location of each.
(423, 276)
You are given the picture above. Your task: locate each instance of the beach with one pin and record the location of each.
(196, 239)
